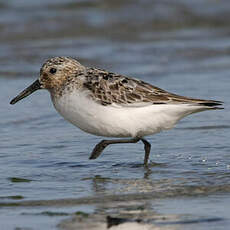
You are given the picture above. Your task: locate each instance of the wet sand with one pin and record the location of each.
(45, 175)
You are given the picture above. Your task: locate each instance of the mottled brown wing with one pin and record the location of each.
(107, 88)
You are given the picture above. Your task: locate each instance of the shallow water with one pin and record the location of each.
(180, 46)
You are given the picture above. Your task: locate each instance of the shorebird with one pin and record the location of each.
(112, 105)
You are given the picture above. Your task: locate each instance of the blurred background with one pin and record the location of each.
(180, 45)
(147, 38)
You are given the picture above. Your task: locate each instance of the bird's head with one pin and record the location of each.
(53, 74)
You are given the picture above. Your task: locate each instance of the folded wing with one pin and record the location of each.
(109, 88)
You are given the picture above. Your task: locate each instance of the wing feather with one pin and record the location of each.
(109, 88)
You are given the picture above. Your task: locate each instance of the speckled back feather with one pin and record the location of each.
(107, 88)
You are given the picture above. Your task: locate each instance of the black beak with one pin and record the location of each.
(33, 87)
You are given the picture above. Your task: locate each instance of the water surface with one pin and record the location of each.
(45, 173)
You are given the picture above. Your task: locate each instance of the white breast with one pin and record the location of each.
(119, 121)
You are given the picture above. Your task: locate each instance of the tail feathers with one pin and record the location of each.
(211, 104)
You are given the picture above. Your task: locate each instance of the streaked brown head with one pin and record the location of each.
(53, 75)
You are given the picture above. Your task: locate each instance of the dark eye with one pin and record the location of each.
(53, 70)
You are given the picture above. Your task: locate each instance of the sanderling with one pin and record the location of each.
(112, 105)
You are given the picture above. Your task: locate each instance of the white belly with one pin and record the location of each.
(119, 121)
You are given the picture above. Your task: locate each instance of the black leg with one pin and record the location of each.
(147, 150)
(104, 143)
